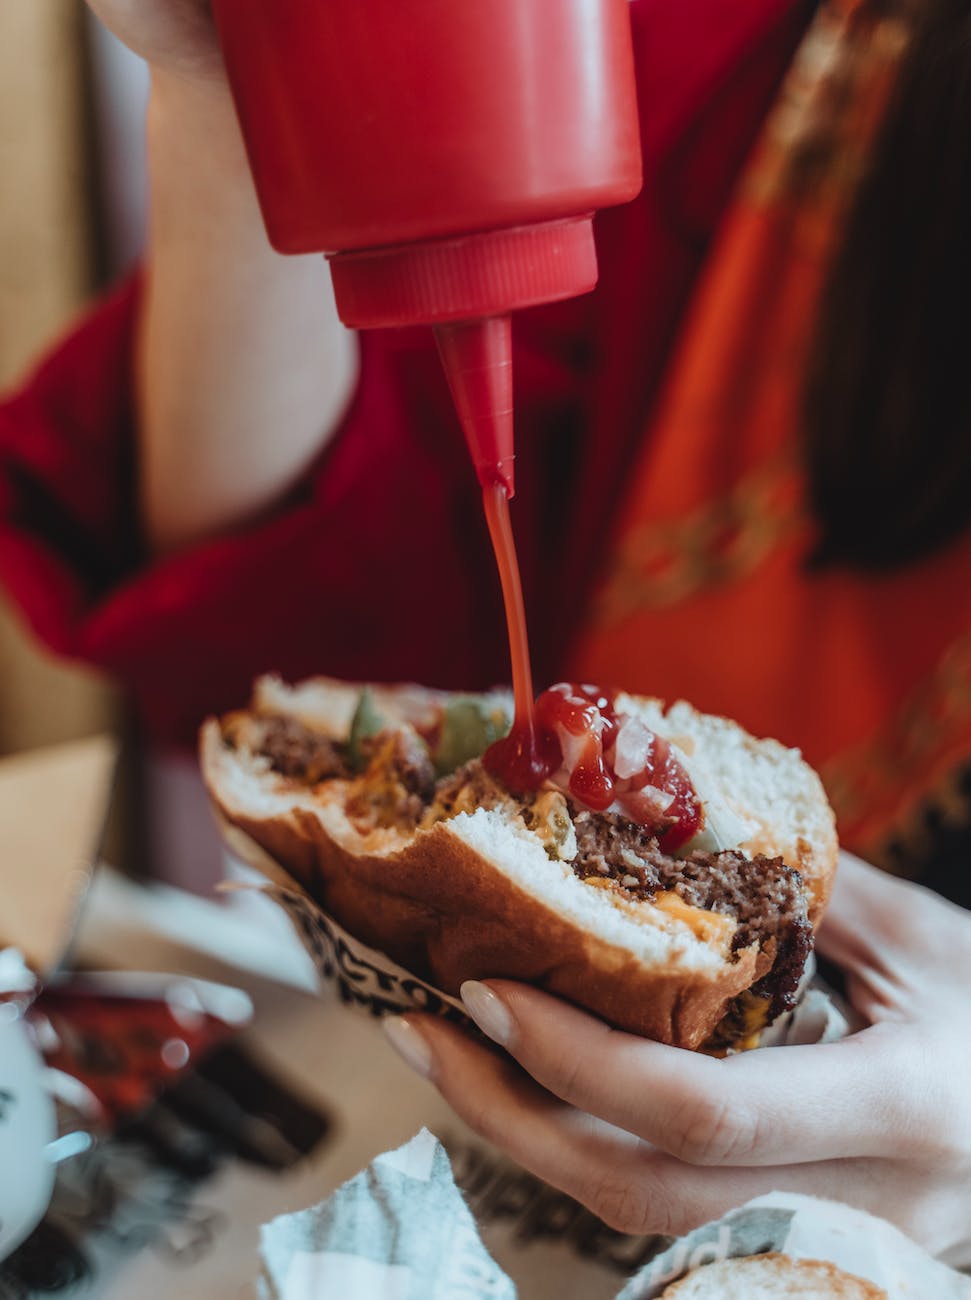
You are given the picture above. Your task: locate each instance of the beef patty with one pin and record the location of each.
(764, 895)
(296, 751)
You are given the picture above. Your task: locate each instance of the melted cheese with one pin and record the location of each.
(549, 818)
(710, 927)
(741, 1029)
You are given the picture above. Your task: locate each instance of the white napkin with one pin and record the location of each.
(401, 1231)
(398, 1231)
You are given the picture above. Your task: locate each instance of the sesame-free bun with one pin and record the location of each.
(478, 896)
(772, 1277)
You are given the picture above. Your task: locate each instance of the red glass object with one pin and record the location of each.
(447, 156)
(126, 1047)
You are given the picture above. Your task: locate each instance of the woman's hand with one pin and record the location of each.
(656, 1139)
(243, 368)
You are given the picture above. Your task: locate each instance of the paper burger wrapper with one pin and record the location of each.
(400, 1230)
(804, 1227)
(370, 982)
(365, 979)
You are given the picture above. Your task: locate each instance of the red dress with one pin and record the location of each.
(378, 566)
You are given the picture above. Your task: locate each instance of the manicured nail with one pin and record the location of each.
(488, 1011)
(410, 1044)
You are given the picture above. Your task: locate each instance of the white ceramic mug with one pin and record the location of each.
(27, 1128)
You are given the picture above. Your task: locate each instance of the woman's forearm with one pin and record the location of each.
(243, 366)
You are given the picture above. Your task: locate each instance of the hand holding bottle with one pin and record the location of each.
(243, 367)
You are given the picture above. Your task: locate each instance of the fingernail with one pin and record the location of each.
(410, 1044)
(488, 1011)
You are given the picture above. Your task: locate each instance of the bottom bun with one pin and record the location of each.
(766, 1277)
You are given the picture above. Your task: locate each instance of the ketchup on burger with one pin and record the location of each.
(573, 738)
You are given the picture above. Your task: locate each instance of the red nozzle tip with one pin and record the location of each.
(498, 475)
(477, 356)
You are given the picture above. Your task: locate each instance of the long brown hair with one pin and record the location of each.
(888, 403)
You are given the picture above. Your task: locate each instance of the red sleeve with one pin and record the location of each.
(68, 533)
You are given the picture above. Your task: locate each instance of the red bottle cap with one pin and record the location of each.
(465, 278)
(466, 287)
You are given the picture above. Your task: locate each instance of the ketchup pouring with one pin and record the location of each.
(573, 737)
(448, 157)
(521, 763)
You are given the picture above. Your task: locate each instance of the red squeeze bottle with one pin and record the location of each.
(447, 156)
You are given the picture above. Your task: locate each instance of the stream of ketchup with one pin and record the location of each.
(516, 757)
(531, 753)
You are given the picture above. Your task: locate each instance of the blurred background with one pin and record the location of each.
(72, 218)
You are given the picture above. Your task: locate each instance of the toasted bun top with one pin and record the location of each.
(768, 1277)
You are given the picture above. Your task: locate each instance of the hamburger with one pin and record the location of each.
(663, 869)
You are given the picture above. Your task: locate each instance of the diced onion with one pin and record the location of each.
(572, 747)
(646, 806)
(723, 829)
(631, 748)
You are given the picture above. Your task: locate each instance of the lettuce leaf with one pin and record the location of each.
(367, 721)
(469, 726)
